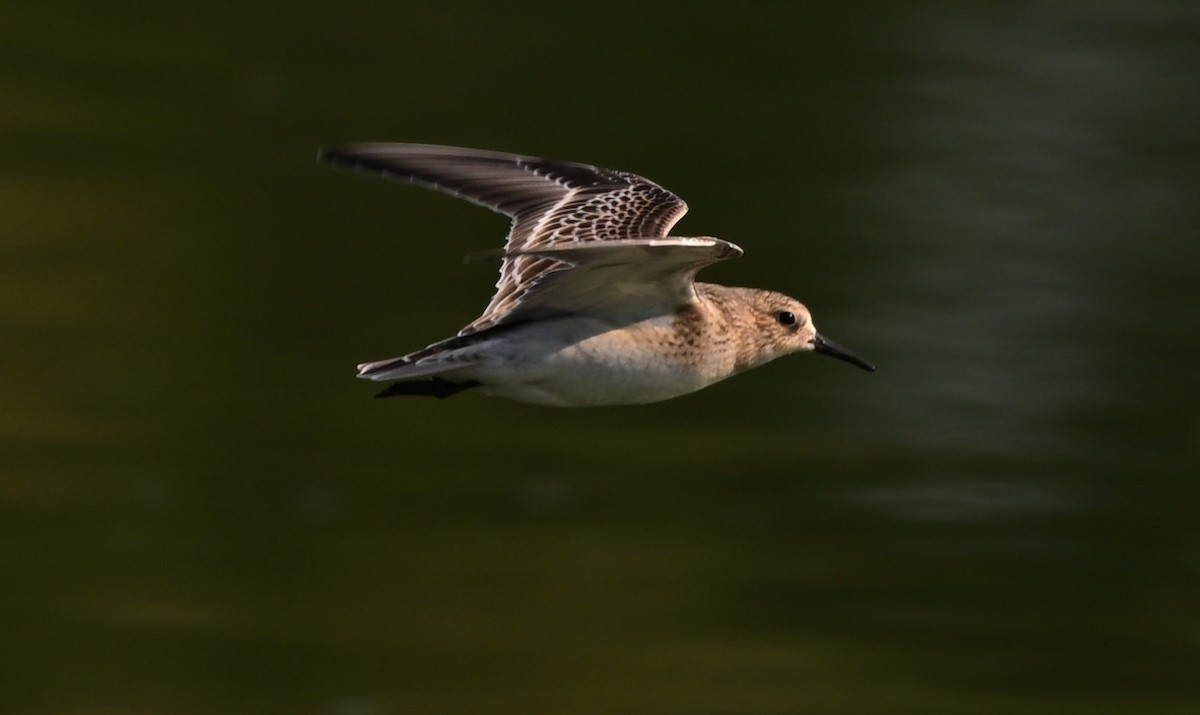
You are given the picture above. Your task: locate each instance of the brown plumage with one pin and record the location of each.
(596, 303)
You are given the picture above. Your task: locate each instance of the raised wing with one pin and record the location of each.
(551, 204)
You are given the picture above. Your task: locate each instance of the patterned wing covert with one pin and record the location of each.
(550, 203)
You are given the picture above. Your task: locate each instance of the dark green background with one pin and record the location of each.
(202, 511)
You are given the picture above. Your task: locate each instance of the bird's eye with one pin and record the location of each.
(786, 317)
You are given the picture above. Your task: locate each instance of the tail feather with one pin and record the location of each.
(403, 368)
(368, 370)
(442, 356)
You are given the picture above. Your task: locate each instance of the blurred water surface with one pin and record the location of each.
(203, 512)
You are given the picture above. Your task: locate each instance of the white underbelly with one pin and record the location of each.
(579, 364)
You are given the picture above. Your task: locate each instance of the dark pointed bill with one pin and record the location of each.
(826, 346)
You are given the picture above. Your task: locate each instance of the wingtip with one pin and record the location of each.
(360, 151)
(335, 155)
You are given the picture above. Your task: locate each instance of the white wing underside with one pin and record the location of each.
(620, 280)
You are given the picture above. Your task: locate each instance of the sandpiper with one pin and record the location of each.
(596, 302)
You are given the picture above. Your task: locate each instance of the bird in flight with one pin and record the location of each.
(597, 303)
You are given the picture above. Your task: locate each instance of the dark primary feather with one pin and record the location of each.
(548, 200)
(550, 203)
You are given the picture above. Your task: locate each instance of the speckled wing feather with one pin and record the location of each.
(551, 203)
